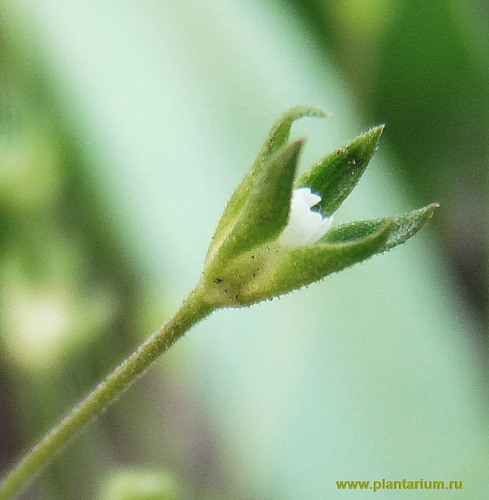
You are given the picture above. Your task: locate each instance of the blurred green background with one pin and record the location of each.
(124, 127)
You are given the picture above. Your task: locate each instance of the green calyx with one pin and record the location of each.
(247, 263)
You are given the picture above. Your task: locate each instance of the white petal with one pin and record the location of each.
(321, 230)
(304, 226)
(305, 194)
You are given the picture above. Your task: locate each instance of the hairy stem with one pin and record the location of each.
(192, 310)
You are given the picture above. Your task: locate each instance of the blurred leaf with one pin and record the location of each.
(143, 484)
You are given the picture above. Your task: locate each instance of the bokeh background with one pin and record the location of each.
(124, 127)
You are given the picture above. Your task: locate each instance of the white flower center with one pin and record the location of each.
(304, 226)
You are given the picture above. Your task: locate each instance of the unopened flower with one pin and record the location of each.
(304, 226)
(274, 235)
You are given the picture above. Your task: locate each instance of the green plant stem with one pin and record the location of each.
(192, 310)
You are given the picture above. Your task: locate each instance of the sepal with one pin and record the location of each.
(405, 226)
(335, 176)
(303, 265)
(266, 213)
(409, 224)
(277, 138)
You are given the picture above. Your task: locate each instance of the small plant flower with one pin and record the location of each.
(275, 234)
